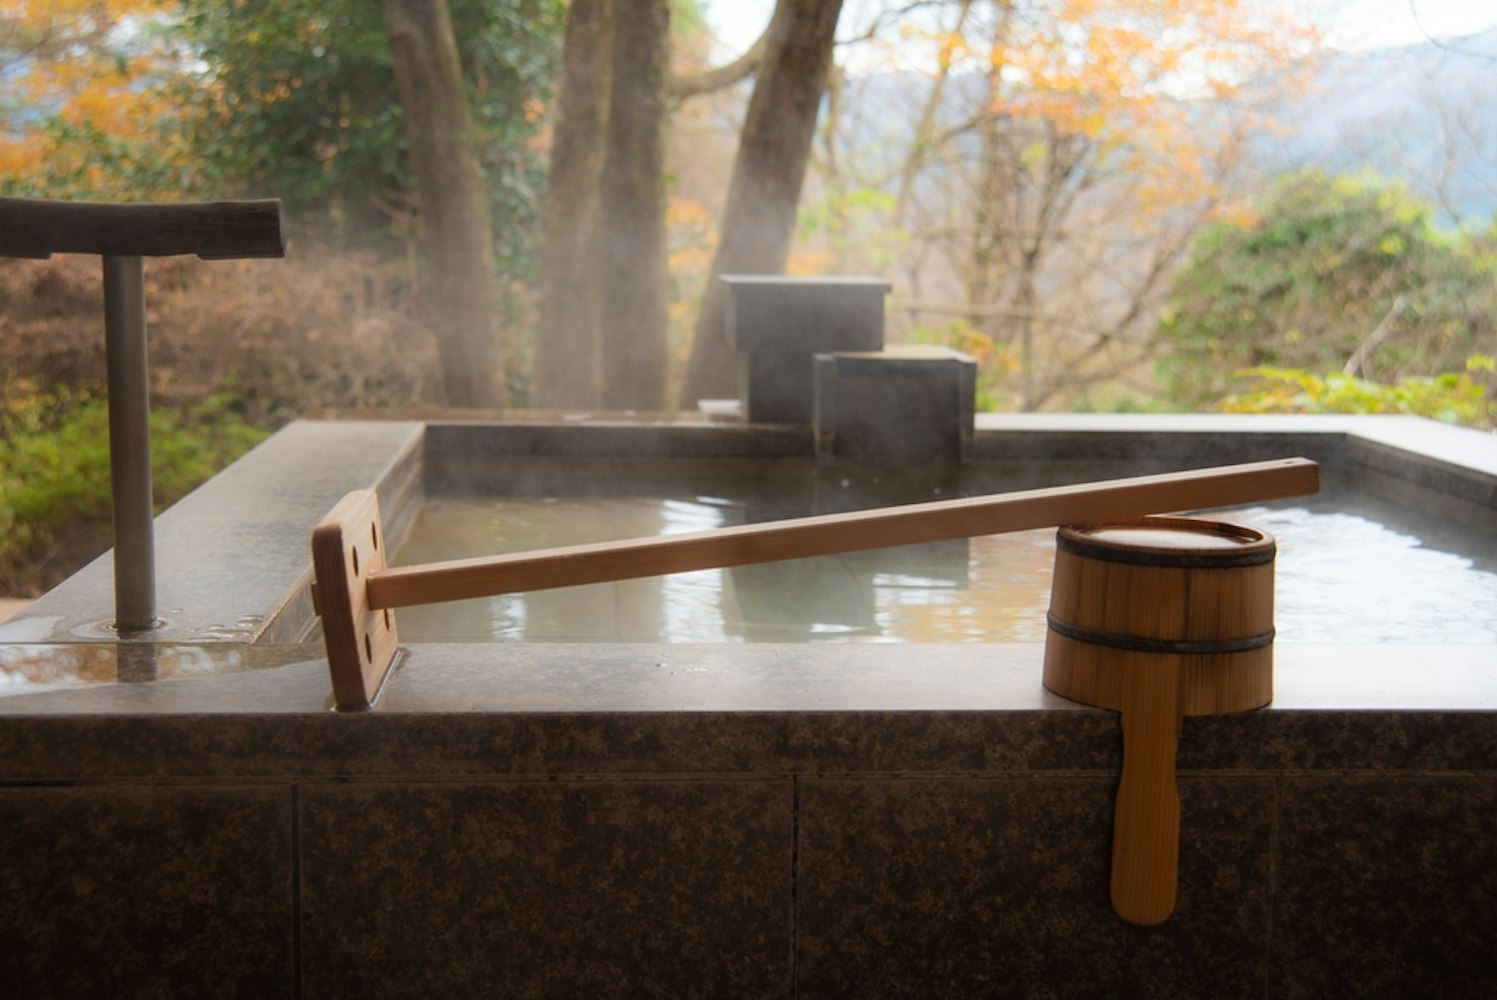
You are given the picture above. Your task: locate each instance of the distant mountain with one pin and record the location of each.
(1423, 113)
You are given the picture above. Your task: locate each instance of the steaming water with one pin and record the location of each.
(1340, 577)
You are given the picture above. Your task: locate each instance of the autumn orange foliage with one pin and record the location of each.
(86, 112)
(1124, 73)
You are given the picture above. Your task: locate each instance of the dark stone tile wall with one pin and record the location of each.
(146, 892)
(970, 887)
(531, 889)
(1386, 887)
(720, 854)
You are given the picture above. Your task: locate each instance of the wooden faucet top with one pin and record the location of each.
(218, 230)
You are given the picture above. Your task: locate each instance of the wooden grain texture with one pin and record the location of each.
(835, 533)
(1165, 603)
(216, 230)
(1210, 684)
(1202, 595)
(1146, 815)
(347, 547)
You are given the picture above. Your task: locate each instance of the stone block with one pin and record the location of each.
(780, 322)
(905, 405)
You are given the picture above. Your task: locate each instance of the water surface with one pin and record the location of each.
(1341, 577)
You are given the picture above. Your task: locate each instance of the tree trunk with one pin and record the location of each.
(567, 364)
(454, 205)
(765, 189)
(633, 219)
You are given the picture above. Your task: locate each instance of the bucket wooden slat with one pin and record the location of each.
(1212, 605)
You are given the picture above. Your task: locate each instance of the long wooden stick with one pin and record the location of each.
(834, 533)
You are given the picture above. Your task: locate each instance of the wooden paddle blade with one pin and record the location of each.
(347, 546)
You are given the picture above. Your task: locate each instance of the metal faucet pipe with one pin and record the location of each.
(130, 443)
(122, 235)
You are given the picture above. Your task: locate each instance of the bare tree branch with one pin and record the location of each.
(1357, 363)
(922, 145)
(686, 85)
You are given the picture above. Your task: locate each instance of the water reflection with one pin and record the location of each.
(1345, 578)
(31, 668)
(1341, 578)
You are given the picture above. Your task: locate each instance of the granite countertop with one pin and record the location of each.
(452, 709)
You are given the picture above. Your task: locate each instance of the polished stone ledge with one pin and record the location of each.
(646, 677)
(456, 711)
(233, 565)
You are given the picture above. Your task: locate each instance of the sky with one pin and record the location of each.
(1364, 24)
(1349, 24)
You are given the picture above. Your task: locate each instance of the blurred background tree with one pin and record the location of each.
(194, 99)
(82, 112)
(173, 99)
(1040, 170)
(1333, 274)
(299, 101)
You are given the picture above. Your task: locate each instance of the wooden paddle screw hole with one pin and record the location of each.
(354, 590)
(360, 640)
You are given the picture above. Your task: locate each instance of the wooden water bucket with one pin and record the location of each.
(1158, 618)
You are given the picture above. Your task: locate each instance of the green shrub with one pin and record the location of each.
(1332, 268)
(1454, 397)
(55, 509)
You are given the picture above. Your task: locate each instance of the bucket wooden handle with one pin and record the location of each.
(1146, 817)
